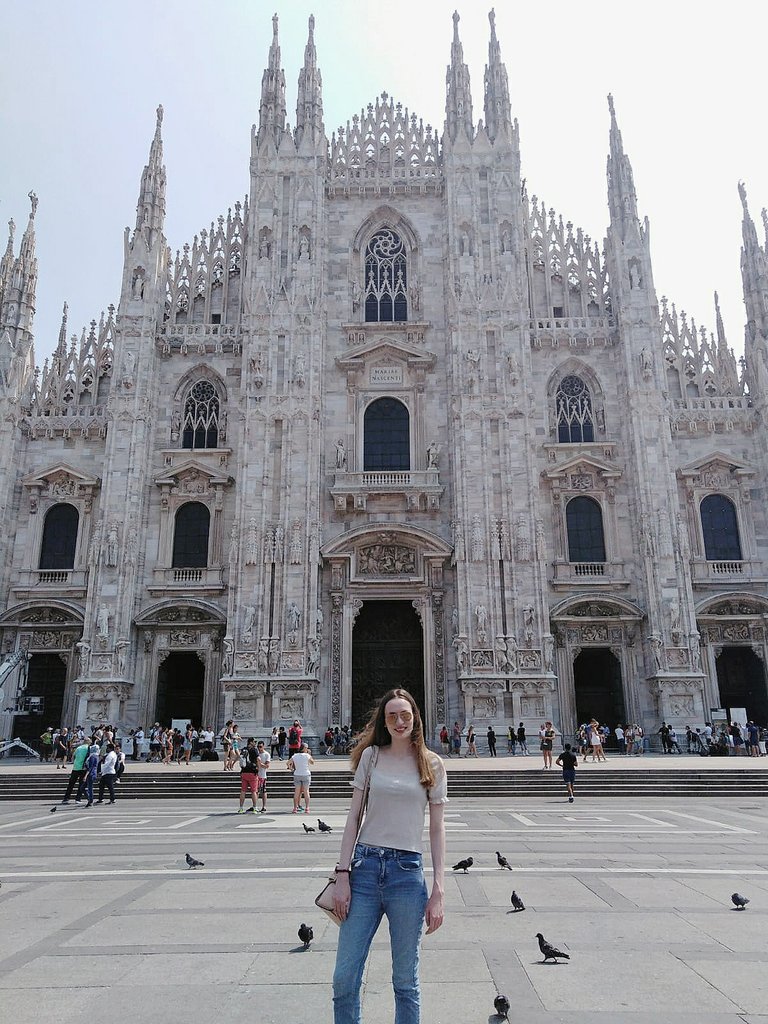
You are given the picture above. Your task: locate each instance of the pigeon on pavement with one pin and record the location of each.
(516, 902)
(463, 865)
(740, 902)
(53, 810)
(306, 934)
(548, 950)
(307, 828)
(323, 827)
(503, 862)
(192, 862)
(501, 1006)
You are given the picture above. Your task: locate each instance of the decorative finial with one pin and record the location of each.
(743, 196)
(274, 25)
(159, 115)
(311, 25)
(492, 19)
(610, 105)
(456, 21)
(11, 231)
(33, 199)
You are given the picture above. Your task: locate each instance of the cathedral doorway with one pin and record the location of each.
(741, 682)
(387, 651)
(46, 679)
(598, 687)
(180, 686)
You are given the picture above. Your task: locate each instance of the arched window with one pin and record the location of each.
(574, 411)
(201, 417)
(386, 433)
(720, 528)
(584, 522)
(190, 538)
(59, 537)
(386, 282)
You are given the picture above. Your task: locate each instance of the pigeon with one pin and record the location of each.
(463, 865)
(322, 826)
(192, 862)
(516, 902)
(306, 934)
(549, 951)
(501, 1006)
(307, 828)
(740, 902)
(503, 862)
(53, 810)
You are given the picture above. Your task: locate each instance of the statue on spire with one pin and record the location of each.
(34, 201)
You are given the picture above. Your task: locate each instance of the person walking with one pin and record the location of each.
(491, 738)
(388, 876)
(300, 764)
(664, 734)
(596, 741)
(547, 742)
(456, 739)
(471, 745)
(249, 768)
(568, 762)
(61, 747)
(78, 770)
(264, 760)
(89, 776)
(672, 741)
(445, 740)
(639, 745)
(138, 742)
(521, 740)
(274, 742)
(108, 774)
(620, 740)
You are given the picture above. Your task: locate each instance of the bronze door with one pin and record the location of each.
(387, 651)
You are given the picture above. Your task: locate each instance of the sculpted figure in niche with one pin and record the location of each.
(462, 654)
(481, 614)
(249, 614)
(549, 652)
(478, 548)
(273, 657)
(319, 621)
(83, 654)
(294, 616)
(506, 241)
(455, 621)
(279, 543)
(433, 455)
(657, 649)
(121, 649)
(313, 655)
(227, 658)
(303, 248)
(502, 661)
(341, 454)
(112, 545)
(102, 622)
(512, 652)
(528, 616)
(262, 660)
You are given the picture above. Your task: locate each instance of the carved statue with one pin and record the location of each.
(502, 661)
(458, 541)
(175, 425)
(549, 652)
(657, 648)
(112, 545)
(481, 616)
(102, 622)
(478, 547)
(303, 248)
(674, 621)
(262, 659)
(695, 639)
(227, 658)
(341, 454)
(273, 657)
(529, 614)
(300, 370)
(83, 654)
(512, 652)
(313, 655)
(454, 621)
(279, 542)
(319, 620)
(294, 554)
(462, 654)
(293, 616)
(121, 650)
(249, 614)
(433, 454)
(252, 543)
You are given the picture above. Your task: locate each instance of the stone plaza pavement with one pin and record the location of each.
(99, 917)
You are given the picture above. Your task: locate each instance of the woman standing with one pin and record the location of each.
(471, 745)
(596, 741)
(300, 764)
(547, 740)
(274, 742)
(282, 741)
(382, 873)
(189, 737)
(234, 750)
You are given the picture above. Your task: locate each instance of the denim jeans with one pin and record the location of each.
(390, 882)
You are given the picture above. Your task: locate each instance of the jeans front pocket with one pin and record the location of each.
(410, 864)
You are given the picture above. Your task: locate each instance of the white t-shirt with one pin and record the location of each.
(397, 802)
(619, 732)
(301, 765)
(108, 767)
(207, 736)
(264, 760)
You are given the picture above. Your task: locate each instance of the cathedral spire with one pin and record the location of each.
(272, 108)
(622, 199)
(458, 97)
(18, 278)
(150, 209)
(754, 273)
(498, 112)
(309, 105)
(6, 261)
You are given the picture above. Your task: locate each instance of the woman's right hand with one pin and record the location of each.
(342, 896)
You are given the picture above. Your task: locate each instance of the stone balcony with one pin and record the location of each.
(588, 574)
(190, 581)
(420, 490)
(69, 582)
(572, 331)
(717, 573)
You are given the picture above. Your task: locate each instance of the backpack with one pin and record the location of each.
(293, 738)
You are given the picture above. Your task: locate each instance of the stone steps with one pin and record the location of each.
(477, 784)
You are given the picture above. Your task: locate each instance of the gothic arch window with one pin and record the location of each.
(720, 527)
(584, 522)
(190, 536)
(575, 423)
(386, 278)
(59, 537)
(386, 436)
(200, 424)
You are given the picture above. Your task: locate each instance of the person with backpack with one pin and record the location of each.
(294, 738)
(249, 773)
(568, 762)
(521, 740)
(282, 740)
(91, 773)
(328, 741)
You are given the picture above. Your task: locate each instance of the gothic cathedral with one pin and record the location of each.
(389, 421)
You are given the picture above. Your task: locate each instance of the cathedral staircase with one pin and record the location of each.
(180, 783)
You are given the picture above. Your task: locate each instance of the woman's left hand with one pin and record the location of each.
(434, 912)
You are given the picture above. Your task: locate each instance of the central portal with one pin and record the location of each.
(180, 684)
(387, 651)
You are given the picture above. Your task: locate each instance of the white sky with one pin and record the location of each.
(81, 80)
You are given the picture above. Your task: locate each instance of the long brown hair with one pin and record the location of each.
(376, 734)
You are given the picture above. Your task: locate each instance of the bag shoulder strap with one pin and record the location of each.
(366, 787)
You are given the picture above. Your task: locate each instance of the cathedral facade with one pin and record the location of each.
(389, 421)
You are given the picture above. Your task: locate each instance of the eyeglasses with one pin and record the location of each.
(406, 716)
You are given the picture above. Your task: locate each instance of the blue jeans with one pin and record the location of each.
(390, 882)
